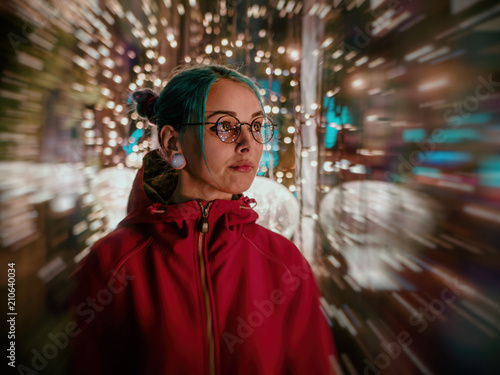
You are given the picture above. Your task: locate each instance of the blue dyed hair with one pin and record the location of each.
(184, 98)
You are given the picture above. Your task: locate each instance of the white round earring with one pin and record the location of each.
(178, 161)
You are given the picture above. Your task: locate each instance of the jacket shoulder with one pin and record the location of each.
(275, 245)
(109, 253)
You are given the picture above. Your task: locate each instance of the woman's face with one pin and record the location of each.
(233, 166)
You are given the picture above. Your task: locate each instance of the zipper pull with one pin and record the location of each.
(204, 225)
(204, 219)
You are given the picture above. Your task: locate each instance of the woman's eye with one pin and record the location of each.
(226, 126)
(257, 126)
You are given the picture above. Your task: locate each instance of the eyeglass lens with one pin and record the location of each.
(229, 128)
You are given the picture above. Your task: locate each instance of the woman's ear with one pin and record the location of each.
(170, 141)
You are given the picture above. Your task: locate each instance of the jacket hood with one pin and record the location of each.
(154, 184)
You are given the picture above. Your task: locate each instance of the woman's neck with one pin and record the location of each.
(186, 191)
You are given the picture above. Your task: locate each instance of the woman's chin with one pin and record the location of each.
(244, 187)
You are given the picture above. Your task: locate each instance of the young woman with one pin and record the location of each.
(188, 283)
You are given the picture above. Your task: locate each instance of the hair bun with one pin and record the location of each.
(145, 100)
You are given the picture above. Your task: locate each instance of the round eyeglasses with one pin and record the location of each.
(228, 128)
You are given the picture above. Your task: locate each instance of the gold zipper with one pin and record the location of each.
(206, 297)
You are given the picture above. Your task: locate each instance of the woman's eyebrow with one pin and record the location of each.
(213, 113)
(221, 112)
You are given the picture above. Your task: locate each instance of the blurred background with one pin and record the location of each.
(387, 157)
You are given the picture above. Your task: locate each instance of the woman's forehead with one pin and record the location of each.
(232, 96)
(225, 85)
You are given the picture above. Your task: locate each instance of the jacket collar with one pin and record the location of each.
(152, 188)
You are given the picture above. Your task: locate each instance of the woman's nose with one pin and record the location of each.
(245, 140)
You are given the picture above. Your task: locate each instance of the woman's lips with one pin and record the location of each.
(243, 167)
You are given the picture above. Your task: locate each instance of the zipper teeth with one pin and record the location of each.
(206, 298)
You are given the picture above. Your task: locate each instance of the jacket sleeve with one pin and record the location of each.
(102, 343)
(310, 347)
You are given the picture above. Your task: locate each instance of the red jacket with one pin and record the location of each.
(197, 288)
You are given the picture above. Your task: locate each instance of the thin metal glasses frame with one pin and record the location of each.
(239, 129)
